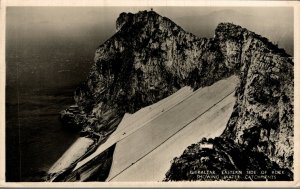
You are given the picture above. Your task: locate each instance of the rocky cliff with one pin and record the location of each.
(263, 115)
(150, 57)
(260, 130)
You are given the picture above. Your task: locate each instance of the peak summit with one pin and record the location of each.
(142, 18)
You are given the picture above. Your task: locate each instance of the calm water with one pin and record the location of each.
(41, 76)
(35, 137)
(40, 80)
(44, 65)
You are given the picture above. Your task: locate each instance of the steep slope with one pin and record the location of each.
(263, 115)
(152, 147)
(260, 130)
(150, 58)
(146, 60)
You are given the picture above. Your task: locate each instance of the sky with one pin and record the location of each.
(54, 46)
(35, 22)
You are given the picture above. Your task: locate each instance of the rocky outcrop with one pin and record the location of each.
(148, 59)
(263, 115)
(261, 124)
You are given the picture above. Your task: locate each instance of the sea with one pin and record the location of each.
(35, 137)
(41, 77)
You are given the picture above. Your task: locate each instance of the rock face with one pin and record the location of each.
(262, 120)
(150, 57)
(263, 115)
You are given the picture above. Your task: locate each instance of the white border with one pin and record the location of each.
(295, 4)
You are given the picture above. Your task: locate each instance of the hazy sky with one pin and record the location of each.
(54, 46)
(34, 22)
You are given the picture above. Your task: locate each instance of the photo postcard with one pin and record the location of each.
(143, 94)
